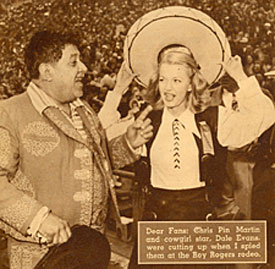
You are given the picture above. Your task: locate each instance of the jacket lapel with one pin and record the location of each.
(61, 122)
(102, 158)
(100, 153)
(91, 126)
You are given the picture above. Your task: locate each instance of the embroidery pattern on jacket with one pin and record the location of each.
(5, 147)
(21, 182)
(22, 256)
(120, 153)
(62, 124)
(84, 196)
(18, 213)
(94, 192)
(15, 234)
(39, 138)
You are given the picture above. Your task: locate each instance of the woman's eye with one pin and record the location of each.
(177, 80)
(161, 79)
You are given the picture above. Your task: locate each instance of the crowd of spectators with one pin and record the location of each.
(101, 26)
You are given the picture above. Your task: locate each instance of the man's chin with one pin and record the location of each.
(78, 92)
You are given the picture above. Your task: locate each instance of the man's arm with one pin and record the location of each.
(17, 209)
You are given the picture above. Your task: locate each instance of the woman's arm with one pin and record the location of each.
(252, 113)
(108, 114)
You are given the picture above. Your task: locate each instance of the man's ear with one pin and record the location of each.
(45, 72)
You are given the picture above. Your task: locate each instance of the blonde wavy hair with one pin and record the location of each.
(199, 98)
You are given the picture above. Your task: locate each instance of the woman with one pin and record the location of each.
(185, 176)
(177, 153)
(195, 126)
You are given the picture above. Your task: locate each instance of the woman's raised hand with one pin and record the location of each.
(234, 68)
(123, 79)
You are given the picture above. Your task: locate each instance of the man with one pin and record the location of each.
(54, 162)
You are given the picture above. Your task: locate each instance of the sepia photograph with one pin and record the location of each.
(137, 134)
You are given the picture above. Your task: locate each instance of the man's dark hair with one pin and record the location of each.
(45, 47)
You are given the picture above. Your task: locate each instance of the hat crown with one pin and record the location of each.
(177, 49)
(175, 25)
(182, 53)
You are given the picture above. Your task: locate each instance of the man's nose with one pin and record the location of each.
(82, 67)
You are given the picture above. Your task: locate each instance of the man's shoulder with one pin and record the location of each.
(15, 107)
(15, 101)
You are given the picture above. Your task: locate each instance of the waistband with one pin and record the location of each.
(175, 194)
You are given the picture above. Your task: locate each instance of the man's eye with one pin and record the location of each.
(73, 63)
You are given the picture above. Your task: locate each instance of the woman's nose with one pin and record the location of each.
(169, 85)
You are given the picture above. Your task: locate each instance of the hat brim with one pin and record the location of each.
(176, 25)
(86, 248)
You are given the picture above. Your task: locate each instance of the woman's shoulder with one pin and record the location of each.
(208, 113)
(210, 116)
(155, 117)
(155, 114)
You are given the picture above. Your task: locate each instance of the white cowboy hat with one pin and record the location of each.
(176, 25)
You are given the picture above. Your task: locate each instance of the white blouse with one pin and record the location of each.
(254, 115)
(167, 173)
